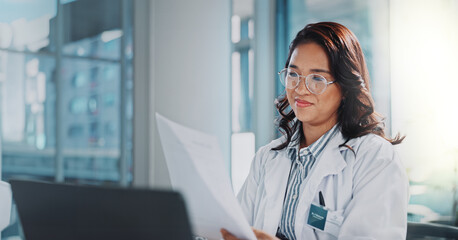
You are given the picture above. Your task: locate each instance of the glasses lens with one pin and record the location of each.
(316, 83)
(289, 78)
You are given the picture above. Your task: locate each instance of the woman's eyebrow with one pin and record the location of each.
(319, 70)
(293, 66)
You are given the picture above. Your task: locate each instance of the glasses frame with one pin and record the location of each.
(306, 80)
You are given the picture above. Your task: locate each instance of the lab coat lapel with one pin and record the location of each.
(277, 172)
(329, 163)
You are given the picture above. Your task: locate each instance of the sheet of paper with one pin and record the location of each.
(5, 204)
(196, 169)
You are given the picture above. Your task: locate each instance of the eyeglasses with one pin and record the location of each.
(315, 83)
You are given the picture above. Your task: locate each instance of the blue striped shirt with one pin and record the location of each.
(302, 163)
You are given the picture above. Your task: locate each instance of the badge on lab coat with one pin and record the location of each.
(317, 217)
(325, 220)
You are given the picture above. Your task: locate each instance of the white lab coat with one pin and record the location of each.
(366, 193)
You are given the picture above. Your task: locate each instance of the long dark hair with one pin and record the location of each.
(356, 115)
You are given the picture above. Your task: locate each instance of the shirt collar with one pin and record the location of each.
(314, 149)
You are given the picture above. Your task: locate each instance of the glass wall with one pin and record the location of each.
(66, 91)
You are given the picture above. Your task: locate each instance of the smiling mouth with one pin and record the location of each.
(302, 103)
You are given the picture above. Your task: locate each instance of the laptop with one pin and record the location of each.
(63, 211)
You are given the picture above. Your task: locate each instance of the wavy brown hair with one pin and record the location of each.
(356, 115)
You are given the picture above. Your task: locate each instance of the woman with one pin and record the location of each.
(334, 173)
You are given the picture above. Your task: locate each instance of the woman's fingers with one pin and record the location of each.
(261, 235)
(227, 235)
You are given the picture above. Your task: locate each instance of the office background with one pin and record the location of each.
(80, 82)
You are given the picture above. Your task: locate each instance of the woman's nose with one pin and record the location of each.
(301, 88)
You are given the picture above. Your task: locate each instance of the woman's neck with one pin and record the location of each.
(314, 132)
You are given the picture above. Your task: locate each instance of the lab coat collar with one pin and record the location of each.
(331, 161)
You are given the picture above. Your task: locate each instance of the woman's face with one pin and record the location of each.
(311, 109)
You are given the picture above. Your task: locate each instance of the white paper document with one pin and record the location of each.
(5, 204)
(196, 169)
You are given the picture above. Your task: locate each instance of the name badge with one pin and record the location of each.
(317, 217)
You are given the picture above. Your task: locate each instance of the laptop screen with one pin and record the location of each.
(62, 211)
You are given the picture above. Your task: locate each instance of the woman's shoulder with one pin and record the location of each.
(265, 152)
(374, 155)
(276, 142)
(371, 142)
(273, 144)
(373, 149)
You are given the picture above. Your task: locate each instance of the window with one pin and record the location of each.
(424, 104)
(65, 83)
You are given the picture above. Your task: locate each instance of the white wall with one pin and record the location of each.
(187, 78)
